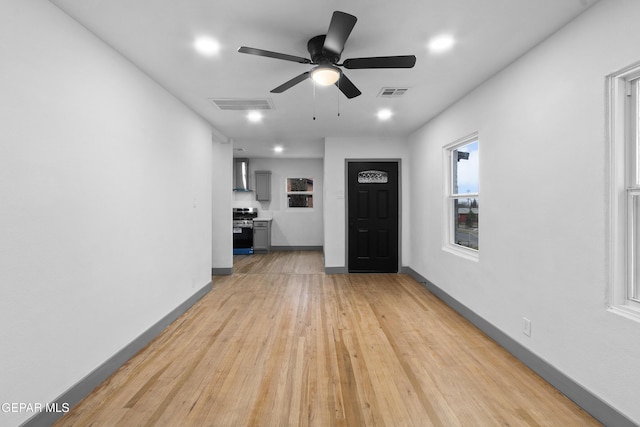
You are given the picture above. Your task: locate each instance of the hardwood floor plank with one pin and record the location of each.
(433, 417)
(281, 343)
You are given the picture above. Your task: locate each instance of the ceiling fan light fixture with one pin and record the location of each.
(325, 75)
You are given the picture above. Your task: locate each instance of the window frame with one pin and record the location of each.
(298, 193)
(623, 238)
(450, 219)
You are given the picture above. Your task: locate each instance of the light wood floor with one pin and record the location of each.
(280, 343)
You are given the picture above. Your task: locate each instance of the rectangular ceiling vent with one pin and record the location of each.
(392, 92)
(235, 104)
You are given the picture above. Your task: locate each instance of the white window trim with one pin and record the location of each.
(620, 164)
(448, 225)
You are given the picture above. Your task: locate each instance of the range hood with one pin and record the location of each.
(240, 174)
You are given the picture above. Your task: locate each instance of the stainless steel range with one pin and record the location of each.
(243, 230)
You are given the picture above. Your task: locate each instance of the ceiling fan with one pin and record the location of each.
(325, 51)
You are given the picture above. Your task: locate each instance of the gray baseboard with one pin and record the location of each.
(595, 406)
(296, 248)
(86, 385)
(336, 270)
(222, 271)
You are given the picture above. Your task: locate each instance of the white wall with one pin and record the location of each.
(337, 151)
(290, 227)
(542, 203)
(105, 213)
(222, 250)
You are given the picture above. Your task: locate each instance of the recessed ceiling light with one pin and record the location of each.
(384, 114)
(254, 116)
(278, 149)
(207, 46)
(441, 43)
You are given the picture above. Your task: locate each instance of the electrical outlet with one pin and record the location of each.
(526, 328)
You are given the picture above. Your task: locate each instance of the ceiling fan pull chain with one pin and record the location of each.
(338, 93)
(314, 99)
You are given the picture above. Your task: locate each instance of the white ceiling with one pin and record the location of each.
(158, 36)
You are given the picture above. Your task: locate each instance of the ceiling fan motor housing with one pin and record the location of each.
(318, 54)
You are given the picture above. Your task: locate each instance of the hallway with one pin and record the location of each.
(281, 343)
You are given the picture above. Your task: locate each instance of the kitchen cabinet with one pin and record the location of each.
(261, 235)
(263, 186)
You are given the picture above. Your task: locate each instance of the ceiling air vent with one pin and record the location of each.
(235, 104)
(392, 92)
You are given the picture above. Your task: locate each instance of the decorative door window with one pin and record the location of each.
(373, 177)
(299, 192)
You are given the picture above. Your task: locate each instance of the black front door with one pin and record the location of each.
(373, 217)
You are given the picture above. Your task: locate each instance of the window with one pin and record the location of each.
(624, 191)
(299, 192)
(462, 204)
(373, 177)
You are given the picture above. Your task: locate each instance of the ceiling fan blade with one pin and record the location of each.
(276, 55)
(404, 61)
(347, 87)
(338, 32)
(294, 81)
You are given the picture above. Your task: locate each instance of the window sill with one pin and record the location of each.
(462, 252)
(629, 312)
